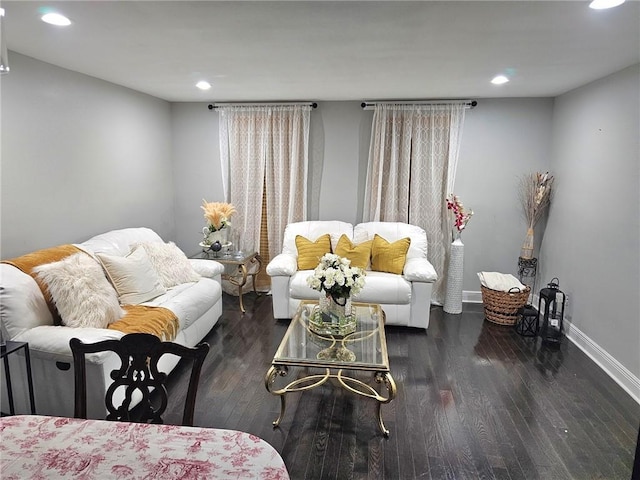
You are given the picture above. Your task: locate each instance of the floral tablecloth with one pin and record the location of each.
(50, 447)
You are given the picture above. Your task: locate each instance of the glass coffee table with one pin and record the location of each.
(362, 351)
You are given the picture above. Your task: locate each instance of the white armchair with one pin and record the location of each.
(405, 298)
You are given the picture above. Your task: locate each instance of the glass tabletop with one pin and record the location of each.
(364, 349)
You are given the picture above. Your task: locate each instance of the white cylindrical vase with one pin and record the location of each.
(455, 273)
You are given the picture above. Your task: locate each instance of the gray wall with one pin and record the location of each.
(196, 169)
(502, 140)
(592, 242)
(347, 132)
(80, 156)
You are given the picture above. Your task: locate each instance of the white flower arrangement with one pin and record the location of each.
(336, 276)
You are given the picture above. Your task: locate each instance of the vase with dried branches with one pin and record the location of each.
(535, 196)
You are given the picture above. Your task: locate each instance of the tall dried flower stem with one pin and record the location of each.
(535, 197)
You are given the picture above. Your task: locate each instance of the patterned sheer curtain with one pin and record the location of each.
(412, 167)
(264, 156)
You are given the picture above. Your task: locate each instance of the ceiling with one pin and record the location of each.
(321, 50)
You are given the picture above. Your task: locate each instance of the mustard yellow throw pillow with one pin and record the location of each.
(359, 254)
(309, 252)
(389, 257)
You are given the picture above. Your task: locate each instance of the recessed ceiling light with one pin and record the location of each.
(56, 19)
(602, 4)
(499, 80)
(202, 85)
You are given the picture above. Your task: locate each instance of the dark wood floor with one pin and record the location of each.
(475, 400)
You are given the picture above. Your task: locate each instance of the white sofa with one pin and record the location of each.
(405, 299)
(25, 317)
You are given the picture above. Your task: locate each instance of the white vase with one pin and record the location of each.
(455, 273)
(218, 236)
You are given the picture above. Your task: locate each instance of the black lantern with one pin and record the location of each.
(551, 306)
(527, 322)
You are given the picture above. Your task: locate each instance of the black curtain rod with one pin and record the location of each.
(213, 106)
(469, 104)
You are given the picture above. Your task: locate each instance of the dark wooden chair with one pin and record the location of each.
(139, 354)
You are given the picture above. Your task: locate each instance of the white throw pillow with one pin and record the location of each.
(133, 277)
(171, 264)
(81, 292)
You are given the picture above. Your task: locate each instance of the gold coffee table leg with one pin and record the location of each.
(301, 384)
(383, 429)
(283, 406)
(360, 388)
(269, 378)
(390, 385)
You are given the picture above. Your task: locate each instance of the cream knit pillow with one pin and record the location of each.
(171, 264)
(133, 277)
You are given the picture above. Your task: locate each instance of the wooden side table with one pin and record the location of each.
(5, 351)
(245, 266)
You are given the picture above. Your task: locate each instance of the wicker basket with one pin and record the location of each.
(502, 307)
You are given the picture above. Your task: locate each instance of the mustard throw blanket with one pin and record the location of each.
(26, 263)
(158, 321)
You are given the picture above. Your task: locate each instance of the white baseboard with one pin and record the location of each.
(469, 296)
(618, 372)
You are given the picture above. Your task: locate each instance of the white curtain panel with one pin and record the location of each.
(412, 166)
(265, 146)
(287, 170)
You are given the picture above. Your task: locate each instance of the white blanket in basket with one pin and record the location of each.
(502, 282)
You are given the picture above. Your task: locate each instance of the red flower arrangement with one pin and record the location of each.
(462, 217)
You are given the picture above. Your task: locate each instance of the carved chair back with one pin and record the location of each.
(138, 376)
